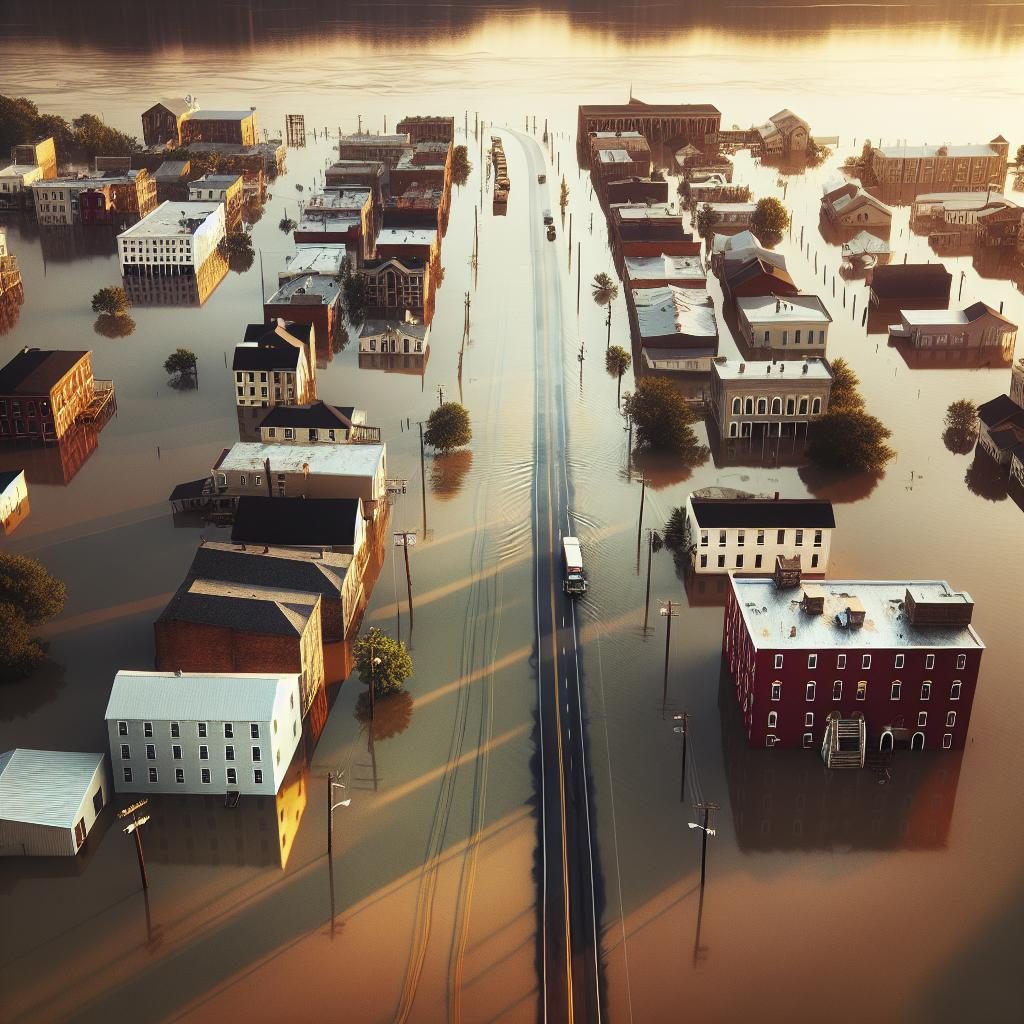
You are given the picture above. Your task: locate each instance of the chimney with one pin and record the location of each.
(778, 305)
(787, 572)
(813, 599)
(743, 367)
(177, 671)
(805, 368)
(776, 495)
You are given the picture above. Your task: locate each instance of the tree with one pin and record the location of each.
(850, 439)
(563, 195)
(94, 138)
(182, 366)
(605, 291)
(26, 585)
(461, 166)
(20, 655)
(675, 531)
(845, 394)
(356, 294)
(617, 361)
(237, 249)
(961, 426)
(18, 116)
(57, 128)
(114, 326)
(657, 174)
(112, 301)
(663, 420)
(770, 218)
(448, 428)
(705, 221)
(287, 225)
(1020, 157)
(382, 662)
(865, 152)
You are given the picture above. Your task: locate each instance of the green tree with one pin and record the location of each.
(850, 439)
(657, 174)
(382, 662)
(461, 166)
(663, 420)
(114, 326)
(770, 219)
(961, 426)
(57, 128)
(30, 589)
(356, 294)
(182, 366)
(605, 291)
(675, 531)
(18, 116)
(448, 428)
(94, 138)
(237, 249)
(20, 655)
(845, 394)
(113, 301)
(705, 221)
(617, 361)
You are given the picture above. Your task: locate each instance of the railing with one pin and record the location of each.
(364, 435)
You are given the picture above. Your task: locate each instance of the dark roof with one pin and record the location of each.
(35, 371)
(976, 310)
(319, 522)
(738, 272)
(267, 350)
(172, 170)
(190, 489)
(1008, 434)
(268, 332)
(317, 414)
(765, 513)
(8, 476)
(998, 410)
(251, 566)
(247, 608)
(174, 104)
(911, 280)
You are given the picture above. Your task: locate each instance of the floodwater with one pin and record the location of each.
(825, 893)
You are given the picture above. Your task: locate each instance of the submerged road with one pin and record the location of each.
(570, 956)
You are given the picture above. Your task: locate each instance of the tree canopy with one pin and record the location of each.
(448, 428)
(382, 661)
(845, 393)
(29, 595)
(356, 294)
(113, 301)
(563, 195)
(770, 218)
(705, 221)
(461, 166)
(850, 439)
(604, 289)
(181, 363)
(961, 426)
(675, 531)
(237, 249)
(617, 361)
(663, 420)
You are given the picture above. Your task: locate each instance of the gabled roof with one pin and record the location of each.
(976, 310)
(739, 273)
(316, 414)
(45, 787)
(35, 371)
(911, 280)
(316, 572)
(175, 104)
(297, 522)
(8, 476)
(763, 513)
(248, 609)
(998, 410)
(271, 347)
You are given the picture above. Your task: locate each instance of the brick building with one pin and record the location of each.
(952, 168)
(42, 154)
(657, 122)
(897, 659)
(427, 128)
(313, 300)
(230, 127)
(161, 123)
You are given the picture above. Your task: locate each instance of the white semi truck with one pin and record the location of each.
(575, 582)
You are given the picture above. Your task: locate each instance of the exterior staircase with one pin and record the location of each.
(845, 742)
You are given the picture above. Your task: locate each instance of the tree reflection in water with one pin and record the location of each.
(959, 442)
(986, 478)
(448, 473)
(392, 714)
(661, 470)
(838, 487)
(110, 326)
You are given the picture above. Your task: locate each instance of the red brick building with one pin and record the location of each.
(898, 659)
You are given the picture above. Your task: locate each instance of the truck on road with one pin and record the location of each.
(575, 582)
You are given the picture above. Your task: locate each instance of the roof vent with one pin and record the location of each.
(805, 368)
(792, 632)
(177, 671)
(787, 572)
(743, 367)
(813, 599)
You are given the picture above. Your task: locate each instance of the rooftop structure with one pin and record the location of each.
(763, 513)
(314, 258)
(769, 370)
(672, 310)
(768, 309)
(172, 219)
(360, 460)
(299, 522)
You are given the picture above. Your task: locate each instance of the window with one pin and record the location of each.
(808, 719)
(785, 337)
(954, 690)
(808, 739)
(950, 719)
(777, 690)
(773, 719)
(175, 731)
(961, 661)
(799, 538)
(721, 561)
(257, 776)
(204, 753)
(922, 719)
(926, 691)
(176, 752)
(736, 407)
(778, 661)
(741, 537)
(816, 407)
(150, 752)
(814, 561)
(127, 775)
(254, 730)
(899, 661)
(862, 690)
(757, 561)
(797, 338)
(803, 406)
(760, 538)
(229, 753)
(147, 728)
(810, 690)
(313, 436)
(257, 754)
(776, 406)
(703, 561)
(812, 661)
(179, 776)
(241, 480)
(232, 776)
(229, 731)
(122, 728)
(289, 434)
(780, 537)
(703, 538)
(721, 538)
(897, 687)
(331, 435)
(202, 730)
(837, 690)
(817, 538)
(257, 480)
(840, 661)
(762, 406)
(271, 432)
(126, 752)
(154, 775)
(865, 661)
(947, 740)
(204, 776)
(929, 661)
(739, 561)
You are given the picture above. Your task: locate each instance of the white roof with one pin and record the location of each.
(865, 242)
(979, 197)
(919, 152)
(733, 207)
(358, 460)
(19, 170)
(673, 310)
(166, 219)
(729, 369)
(406, 236)
(770, 613)
(668, 267)
(339, 199)
(195, 696)
(45, 787)
(221, 115)
(614, 156)
(326, 221)
(934, 317)
(768, 309)
(655, 212)
(314, 258)
(741, 240)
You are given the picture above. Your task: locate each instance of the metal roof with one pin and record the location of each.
(672, 310)
(45, 787)
(807, 369)
(196, 696)
(767, 309)
(357, 460)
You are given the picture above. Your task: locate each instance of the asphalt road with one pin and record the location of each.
(569, 934)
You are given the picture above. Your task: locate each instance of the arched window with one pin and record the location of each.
(762, 406)
(776, 406)
(816, 406)
(790, 406)
(737, 405)
(803, 406)
(749, 406)
(773, 719)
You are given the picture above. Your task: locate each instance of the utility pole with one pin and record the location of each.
(134, 828)
(640, 521)
(440, 395)
(651, 535)
(668, 612)
(406, 538)
(360, 130)
(374, 662)
(684, 719)
(579, 274)
(423, 480)
(706, 807)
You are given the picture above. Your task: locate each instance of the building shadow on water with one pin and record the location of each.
(26, 696)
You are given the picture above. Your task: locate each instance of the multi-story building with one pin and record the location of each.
(420, 243)
(394, 337)
(768, 399)
(42, 154)
(399, 284)
(342, 216)
(896, 660)
(94, 199)
(230, 127)
(426, 163)
(203, 732)
(1001, 427)
(977, 326)
(314, 300)
(326, 259)
(16, 181)
(43, 393)
(850, 206)
(731, 218)
(796, 325)
(747, 535)
(317, 422)
(272, 365)
(336, 525)
(674, 328)
(175, 239)
(952, 168)
(387, 149)
(657, 122)
(161, 123)
(1002, 227)
(212, 626)
(427, 128)
(218, 188)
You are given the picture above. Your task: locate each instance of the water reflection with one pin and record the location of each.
(109, 326)
(11, 300)
(177, 289)
(986, 479)
(392, 714)
(65, 243)
(55, 464)
(448, 473)
(836, 486)
(660, 470)
(952, 358)
(25, 697)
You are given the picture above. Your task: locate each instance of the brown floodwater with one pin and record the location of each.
(827, 893)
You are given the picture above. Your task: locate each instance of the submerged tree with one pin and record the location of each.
(237, 249)
(850, 439)
(705, 221)
(617, 361)
(770, 219)
(461, 166)
(605, 291)
(182, 367)
(356, 293)
(112, 301)
(29, 595)
(448, 428)
(845, 393)
(563, 195)
(382, 662)
(675, 531)
(960, 432)
(663, 420)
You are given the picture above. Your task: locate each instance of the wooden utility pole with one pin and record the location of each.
(579, 275)
(684, 719)
(134, 828)
(405, 536)
(706, 807)
(668, 612)
(360, 130)
(651, 534)
(423, 480)
(640, 521)
(440, 395)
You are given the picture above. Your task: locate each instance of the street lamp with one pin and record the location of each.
(374, 662)
(706, 807)
(693, 824)
(331, 807)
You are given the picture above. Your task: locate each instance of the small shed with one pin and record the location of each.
(50, 800)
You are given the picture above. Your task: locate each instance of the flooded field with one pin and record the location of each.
(899, 902)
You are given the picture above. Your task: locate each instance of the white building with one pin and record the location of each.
(394, 336)
(273, 365)
(324, 259)
(13, 498)
(959, 207)
(746, 535)
(736, 216)
(176, 238)
(218, 188)
(796, 324)
(15, 183)
(202, 733)
(49, 801)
